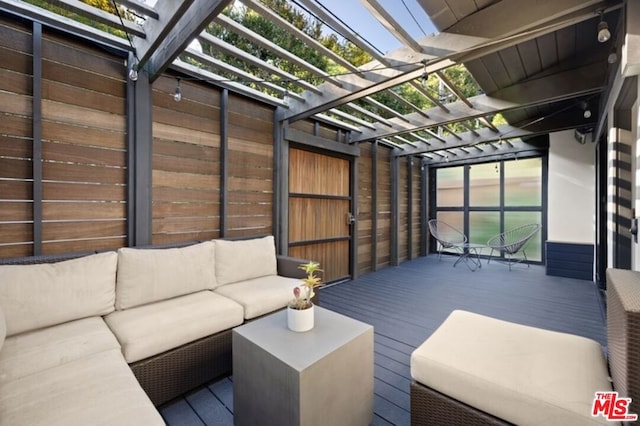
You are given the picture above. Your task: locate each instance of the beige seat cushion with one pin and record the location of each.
(37, 296)
(99, 389)
(522, 374)
(38, 350)
(150, 275)
(244, 260)
(262, 295)
(3, 328)
(152, 329)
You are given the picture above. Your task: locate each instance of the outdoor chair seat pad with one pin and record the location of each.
(149, 330)
(260, 296)
(35, 351)
(98, 389)
(524, 375)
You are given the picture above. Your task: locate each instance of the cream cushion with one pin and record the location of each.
(152, 329)
(244, 260)
(262, 295)
(99, 389)
(524, 375)
(3, 328)
(38, 350)
(149, 275)
(36, 296)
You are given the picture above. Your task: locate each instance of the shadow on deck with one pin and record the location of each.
(405, 304)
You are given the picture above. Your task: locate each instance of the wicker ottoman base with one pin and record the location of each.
(430, 407)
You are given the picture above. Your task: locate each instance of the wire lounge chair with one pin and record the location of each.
(513, 241)
(446, 235)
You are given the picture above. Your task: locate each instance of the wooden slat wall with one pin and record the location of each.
(403, 210)
(186, 162)
(250, 159)
(365, 210)
(383, 188)
(16, 190)
(83, 147)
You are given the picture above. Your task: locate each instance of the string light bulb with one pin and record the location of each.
(603, 29)
(177, 95)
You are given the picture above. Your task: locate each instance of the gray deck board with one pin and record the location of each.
(405, 304)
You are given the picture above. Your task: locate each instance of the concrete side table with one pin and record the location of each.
(319, 377)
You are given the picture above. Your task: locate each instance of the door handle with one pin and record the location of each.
(351, 219)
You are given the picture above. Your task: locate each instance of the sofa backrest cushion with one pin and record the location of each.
(245, 259)
(46, 294)
(150, 275)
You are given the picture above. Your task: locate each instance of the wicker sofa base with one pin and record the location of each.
(430, 407)
(170, 374)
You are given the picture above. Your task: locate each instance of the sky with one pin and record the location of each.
(359, 18)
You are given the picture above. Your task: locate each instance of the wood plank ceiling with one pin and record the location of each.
(539, 64)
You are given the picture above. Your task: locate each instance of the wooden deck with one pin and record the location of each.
(405, 304)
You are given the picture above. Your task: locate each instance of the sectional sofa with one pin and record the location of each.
(106, 337)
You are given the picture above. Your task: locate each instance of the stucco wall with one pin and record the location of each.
(571, 208)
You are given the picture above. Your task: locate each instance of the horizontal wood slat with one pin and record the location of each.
(83, 173)
(77, 134)
(15, 233)
(56, 231)
(82, 97)
(58, 247)
(57, 111)
(15, 168)
(77, 211)
(16, 211)
(81, 55)
(83, 192)
(69, 153)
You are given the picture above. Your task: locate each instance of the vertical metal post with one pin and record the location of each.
(395, 217)
(278, 182)
(131, 154)
(410, 208)
(424, 208)
(353, 243)
(37, 138)
(374, 206)
(224, 161)
(142, 161)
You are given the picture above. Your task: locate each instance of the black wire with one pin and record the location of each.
(115, 6)
(413, 17)
(339, 20)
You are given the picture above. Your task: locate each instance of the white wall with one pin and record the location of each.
(572, 190)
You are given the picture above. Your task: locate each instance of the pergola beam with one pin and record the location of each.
(582, 81)
(179, 22)
(441, 50)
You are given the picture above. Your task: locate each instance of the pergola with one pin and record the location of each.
(539, 64)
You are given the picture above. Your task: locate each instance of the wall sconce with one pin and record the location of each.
(177, 95)
(585, 108)
(603, 29)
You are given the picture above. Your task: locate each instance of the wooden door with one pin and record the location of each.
(319, 211)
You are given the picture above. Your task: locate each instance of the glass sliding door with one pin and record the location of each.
(485, 199)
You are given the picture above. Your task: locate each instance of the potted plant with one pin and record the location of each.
(300, 309)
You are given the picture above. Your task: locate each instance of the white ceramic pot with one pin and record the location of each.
(300, 319)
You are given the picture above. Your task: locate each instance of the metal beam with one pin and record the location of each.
(64, 24)
(390, 24)
(563, 85)
(180, 21)
(444, 49)
(566, 119)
